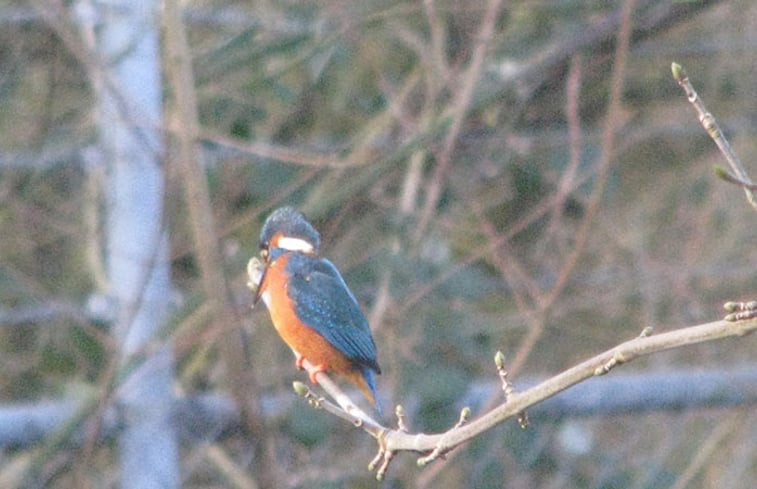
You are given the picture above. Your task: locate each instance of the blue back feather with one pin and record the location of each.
(324, 303)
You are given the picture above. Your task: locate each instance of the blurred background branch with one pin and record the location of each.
(448, 153)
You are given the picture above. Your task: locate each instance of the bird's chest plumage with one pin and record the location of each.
(300, 337)
(280, 305)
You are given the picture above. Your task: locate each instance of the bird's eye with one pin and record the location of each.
(264, 253)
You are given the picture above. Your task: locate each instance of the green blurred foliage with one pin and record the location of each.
(356, 90)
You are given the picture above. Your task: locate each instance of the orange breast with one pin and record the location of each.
(300, 337)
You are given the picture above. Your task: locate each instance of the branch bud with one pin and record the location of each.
(499, 360)
(300, 388)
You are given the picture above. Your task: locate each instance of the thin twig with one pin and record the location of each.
(713, 129)
(438, 42)
(706, 450)
(606, 151)
(723, 174)
(460, 106)
(572, 90)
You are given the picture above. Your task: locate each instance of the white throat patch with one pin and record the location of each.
(294, 244)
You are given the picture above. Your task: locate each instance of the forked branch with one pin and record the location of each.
(392, 440)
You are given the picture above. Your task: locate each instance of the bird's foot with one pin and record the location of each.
(315, 371)
(298, 360)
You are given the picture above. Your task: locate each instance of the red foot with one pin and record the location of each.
(298, 359)
(316, 370)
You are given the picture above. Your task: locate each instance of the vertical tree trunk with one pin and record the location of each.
(129, 96)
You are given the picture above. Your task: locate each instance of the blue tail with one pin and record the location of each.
(371, 381)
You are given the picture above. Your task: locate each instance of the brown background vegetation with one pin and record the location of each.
(451, 177)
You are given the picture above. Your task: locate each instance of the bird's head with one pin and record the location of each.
(285, 230)
(288, 230)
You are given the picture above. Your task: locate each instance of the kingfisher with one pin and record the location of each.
(311, 307)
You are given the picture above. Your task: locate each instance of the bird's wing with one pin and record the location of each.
(324, 303)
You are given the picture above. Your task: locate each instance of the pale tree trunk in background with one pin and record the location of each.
(129, 97)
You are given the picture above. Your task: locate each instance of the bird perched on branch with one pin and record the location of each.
(310, 305)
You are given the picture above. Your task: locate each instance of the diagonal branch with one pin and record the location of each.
(460, 107)
(740, 177)
(392, 440)
(395, 440)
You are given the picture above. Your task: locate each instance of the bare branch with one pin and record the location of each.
(190, 171)
(611, 124)
(710, 125)
(460, 107)
(395, 440)
(434, 445)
